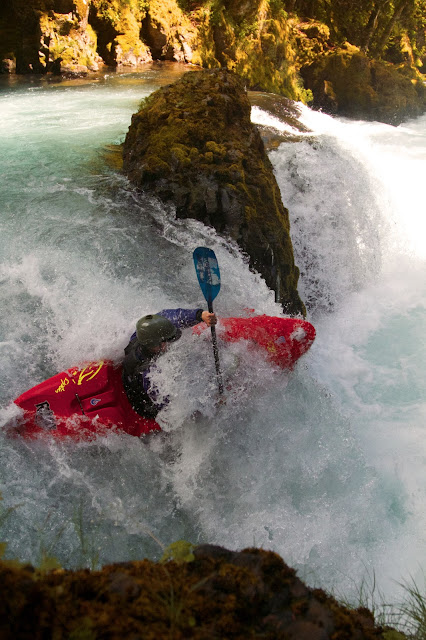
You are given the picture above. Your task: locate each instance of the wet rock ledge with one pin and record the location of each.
(192, 145)
(210, 593)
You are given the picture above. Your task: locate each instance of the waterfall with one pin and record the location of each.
(324, 465)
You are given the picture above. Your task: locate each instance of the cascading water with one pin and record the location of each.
(324, 465)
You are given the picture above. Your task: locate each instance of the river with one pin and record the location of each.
(325, 465)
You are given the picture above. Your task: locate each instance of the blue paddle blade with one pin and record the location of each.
(208, 273)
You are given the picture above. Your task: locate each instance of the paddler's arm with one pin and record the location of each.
(184, 318)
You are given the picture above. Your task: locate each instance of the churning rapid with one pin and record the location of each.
(325, 465)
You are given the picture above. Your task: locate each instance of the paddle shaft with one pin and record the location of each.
(216, 353)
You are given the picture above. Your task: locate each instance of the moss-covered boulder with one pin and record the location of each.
(346, 82)
(213, 593)
(193, 144)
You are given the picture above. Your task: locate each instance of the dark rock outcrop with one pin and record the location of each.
(346, 82)
(216, 594)
(193, 144)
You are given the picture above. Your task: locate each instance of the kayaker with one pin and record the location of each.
(153, 334)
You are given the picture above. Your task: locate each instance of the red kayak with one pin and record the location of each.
(89, 400)
(283, 339)
(82, 402)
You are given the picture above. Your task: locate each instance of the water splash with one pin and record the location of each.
(325, 465)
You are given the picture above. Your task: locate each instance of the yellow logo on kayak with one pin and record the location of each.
(88, 373)
(62, 386)
(271, 347)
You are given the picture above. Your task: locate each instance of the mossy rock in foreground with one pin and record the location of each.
(193, 144)
(217, 594)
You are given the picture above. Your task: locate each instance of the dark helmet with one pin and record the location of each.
(152, 330)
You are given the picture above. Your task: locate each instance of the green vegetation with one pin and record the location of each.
(349, 83)
(368, 64)
(390, 29)
(406, 619)
(180, 551)
(413, 611)
(279, 46)
(190, 589)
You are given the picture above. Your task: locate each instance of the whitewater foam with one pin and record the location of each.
(324, 465)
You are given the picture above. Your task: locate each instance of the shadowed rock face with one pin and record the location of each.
(346, 82)
(192, 144)
(215, 593)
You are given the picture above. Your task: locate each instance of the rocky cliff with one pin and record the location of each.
(346, 82)
(367, 54)
(192, 144)
(209, 592)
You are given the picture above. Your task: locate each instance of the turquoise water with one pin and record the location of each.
(326, 465)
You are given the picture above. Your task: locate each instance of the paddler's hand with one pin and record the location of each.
(209, 318)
